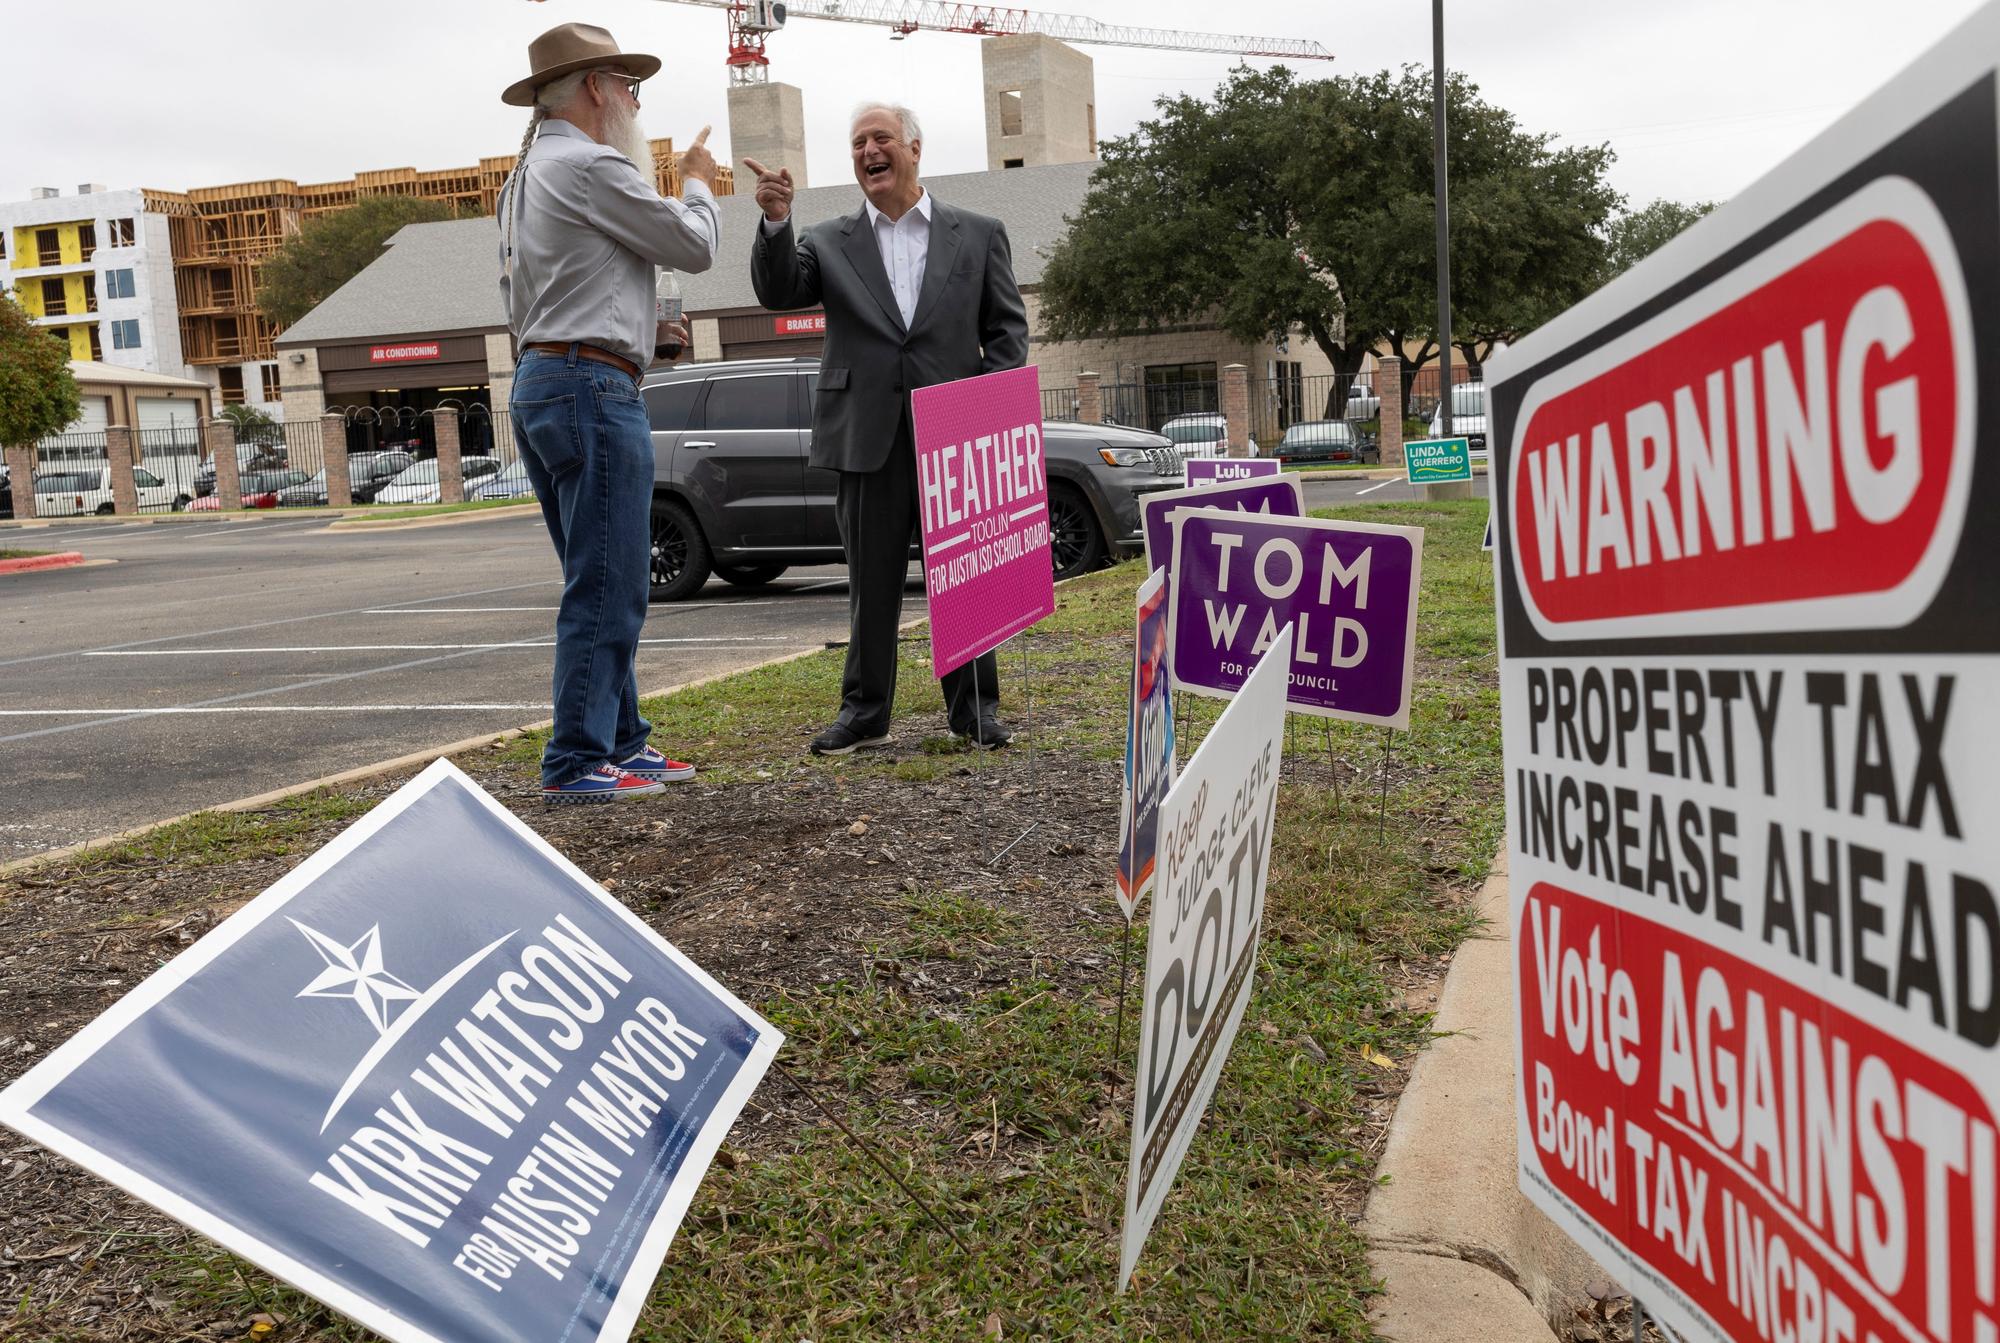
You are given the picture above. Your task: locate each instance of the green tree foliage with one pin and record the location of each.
(1637, 234)
(38, 393)
(1287, 204)
(333, 249)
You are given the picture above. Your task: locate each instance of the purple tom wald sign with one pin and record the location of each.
(1348, 588)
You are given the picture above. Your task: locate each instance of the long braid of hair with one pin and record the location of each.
(535, 121)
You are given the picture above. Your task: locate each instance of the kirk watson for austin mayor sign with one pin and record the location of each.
(435, 1077)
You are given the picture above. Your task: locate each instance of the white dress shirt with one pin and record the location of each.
(905, 244)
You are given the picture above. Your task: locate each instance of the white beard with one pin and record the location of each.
(623, 133)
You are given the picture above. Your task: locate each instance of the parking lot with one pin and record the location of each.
(213, 661)
(210, 662)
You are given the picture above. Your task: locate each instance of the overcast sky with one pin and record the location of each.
(1698, 97)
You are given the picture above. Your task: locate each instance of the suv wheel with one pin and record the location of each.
(750, 575)
(680, 552)
(1075, 544)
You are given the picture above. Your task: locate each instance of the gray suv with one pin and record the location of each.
(734, 496)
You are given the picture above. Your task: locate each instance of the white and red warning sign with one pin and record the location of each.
(1748, 552)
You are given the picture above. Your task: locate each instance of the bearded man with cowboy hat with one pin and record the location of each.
(582, 228)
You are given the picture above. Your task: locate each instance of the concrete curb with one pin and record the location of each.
(412, 760)
(346, 523)
(1462, 1254)
(31, 563)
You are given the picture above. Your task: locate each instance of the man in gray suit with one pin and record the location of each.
(916, 293)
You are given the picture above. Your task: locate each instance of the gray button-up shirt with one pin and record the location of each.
(588, 232)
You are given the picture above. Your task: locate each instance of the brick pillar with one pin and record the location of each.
(1089, 399)
(1389, 387)
(1236, 407)
(21, 472)
(451, 476)
(119, 449)
(333, 455)
(220, 438)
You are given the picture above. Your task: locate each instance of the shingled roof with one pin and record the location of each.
(440, 278)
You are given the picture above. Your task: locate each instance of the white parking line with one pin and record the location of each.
(404, 648)
(449, 610)
(264, 708)
(1372, 488)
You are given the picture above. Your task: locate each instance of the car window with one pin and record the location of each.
(145, 479)
(476, 467)
(748, 403)
(1194, 431)
(1469, 399)
(65, 482)
(668, 404)
(418, 473)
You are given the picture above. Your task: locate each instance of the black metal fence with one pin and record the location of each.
(170, 459)
(1059, 403)
(70, 476)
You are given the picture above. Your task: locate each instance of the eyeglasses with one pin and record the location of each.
(631, 84)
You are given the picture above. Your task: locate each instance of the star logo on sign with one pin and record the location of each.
(356, 972)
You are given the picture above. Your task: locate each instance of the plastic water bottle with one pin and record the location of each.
(666, 308)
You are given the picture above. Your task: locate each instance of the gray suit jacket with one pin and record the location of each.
(969, 320)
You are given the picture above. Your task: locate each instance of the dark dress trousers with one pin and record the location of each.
(969, 320)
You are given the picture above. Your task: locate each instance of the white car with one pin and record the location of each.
(1468, 417)
(78, 491)
(418, 482)
(1201, 434)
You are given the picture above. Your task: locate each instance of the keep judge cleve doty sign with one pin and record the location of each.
(1749, 578)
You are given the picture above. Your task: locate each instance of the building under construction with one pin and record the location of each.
(220, 237)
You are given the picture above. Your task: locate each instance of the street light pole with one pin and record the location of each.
(1456, 489)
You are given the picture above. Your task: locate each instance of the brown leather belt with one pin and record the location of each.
(590, 352)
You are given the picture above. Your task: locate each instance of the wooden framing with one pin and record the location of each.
(220, 236)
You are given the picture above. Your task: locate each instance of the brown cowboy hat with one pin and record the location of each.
(570, 47)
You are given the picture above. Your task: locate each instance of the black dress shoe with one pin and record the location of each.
(990, 734)
(840, 739)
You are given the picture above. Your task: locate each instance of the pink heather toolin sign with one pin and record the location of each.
(983, 495)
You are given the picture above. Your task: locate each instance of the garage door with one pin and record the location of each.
(165, 412)
(95, 416)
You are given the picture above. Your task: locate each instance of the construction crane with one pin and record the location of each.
(751, 21)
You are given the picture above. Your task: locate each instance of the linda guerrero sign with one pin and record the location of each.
(1347, 589)
(1434, 461)
(1750, 688)
(435, 1078)
(983, 500)
(1208, 911)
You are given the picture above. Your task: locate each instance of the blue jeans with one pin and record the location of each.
(588, 450)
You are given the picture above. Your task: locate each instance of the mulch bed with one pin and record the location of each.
(775, 885)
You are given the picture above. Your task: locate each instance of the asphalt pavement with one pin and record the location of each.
(213, 662)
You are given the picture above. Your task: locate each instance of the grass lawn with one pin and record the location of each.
(23, 554)
(1002, 1101)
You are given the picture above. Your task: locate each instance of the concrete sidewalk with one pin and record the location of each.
(1460, 1251)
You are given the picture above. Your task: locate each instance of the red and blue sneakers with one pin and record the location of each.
(606, 783)
(650, 764)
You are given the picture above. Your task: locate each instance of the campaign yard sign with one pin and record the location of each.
(1149, 747)
(1205, 471)
(1208, 909)
(435, 1077)
(1438, 461)
(1279, 495)
(1749, 580)
(983, 497)
(1348, 590)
